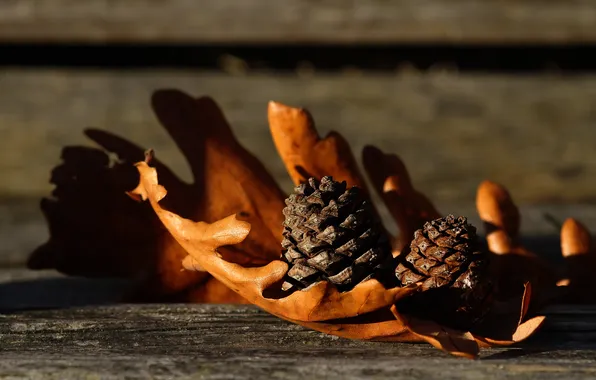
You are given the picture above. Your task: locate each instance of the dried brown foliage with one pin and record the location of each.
(218, 238)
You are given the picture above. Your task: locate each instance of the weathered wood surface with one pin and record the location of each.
(298, 21)
(218, 341)
(533, 133)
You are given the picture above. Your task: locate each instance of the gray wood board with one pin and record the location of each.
(242, 342)
(298, 21)
(533, 133)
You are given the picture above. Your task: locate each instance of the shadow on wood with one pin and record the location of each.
(53, 293)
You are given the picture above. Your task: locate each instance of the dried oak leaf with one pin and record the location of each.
(358, 314)
(409, 208)
(512, 264)
(112, 235)
(578, 250)
(368, 310)
(304, 153)
(503, 326)
(307, 155)
(300, 148)
(222, 258)
(202, 242)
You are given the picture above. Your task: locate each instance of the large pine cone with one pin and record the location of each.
(445, 256)
(331, 234)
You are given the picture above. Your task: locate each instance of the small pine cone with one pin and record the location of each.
(446, 258)
(331, 234)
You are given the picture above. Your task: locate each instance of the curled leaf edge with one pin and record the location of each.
(319, 302)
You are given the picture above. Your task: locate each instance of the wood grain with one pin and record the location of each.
(532, 133)
(219, 341)
(298, 21)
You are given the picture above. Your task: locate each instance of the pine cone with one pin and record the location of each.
(331, 234)
(446, 257)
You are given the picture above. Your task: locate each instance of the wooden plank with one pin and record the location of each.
(298, 21)
(219, 341)
(533, 133)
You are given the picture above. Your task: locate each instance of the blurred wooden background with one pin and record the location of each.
(293, 21)
(462, 90)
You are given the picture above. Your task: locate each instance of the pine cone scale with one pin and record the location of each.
(326, 261)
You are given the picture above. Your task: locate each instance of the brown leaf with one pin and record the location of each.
(233, 195)
(305, 154)
(379, 326)
(512, 264)
(97, 230)
(506, 323)
(525, 302)
(455, 342)
(580, 256)
(322, 301)
(213, 291)
(227, 178)
(522, 332)
(500, 216)
(357, 314)
(575, 240)
(390, 178)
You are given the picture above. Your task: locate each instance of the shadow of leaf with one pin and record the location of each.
(54, 293)
(96, 230)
